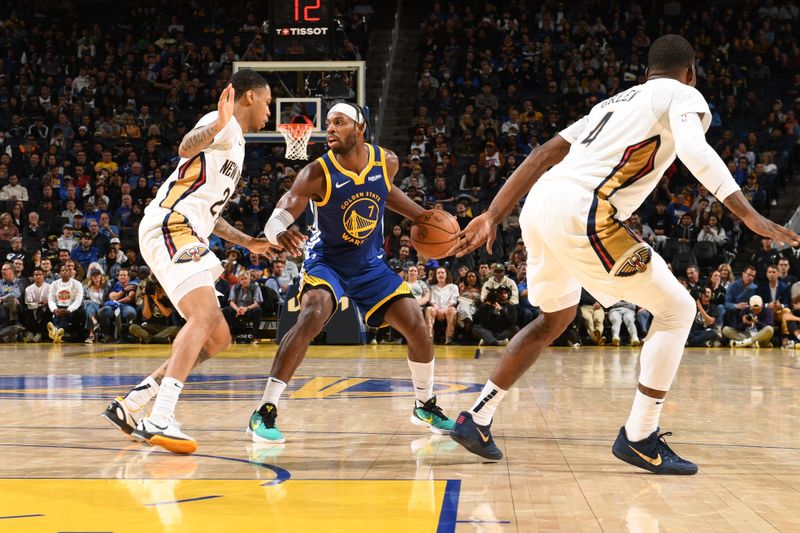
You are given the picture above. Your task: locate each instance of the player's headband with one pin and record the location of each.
(348, 110)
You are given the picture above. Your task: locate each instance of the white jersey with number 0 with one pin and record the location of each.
(201, 186)
(622, 147)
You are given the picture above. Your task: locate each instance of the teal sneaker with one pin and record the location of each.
(430, 415)
(262, 425)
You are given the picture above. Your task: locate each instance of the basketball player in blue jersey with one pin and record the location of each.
(348, 189)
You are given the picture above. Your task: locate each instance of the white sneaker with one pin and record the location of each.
(169, 436)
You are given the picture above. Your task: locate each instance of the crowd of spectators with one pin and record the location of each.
(92, 108)
(496, 80)
(91, 111)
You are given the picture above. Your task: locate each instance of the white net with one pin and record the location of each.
(296, 135)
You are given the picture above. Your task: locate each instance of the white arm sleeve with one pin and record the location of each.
(699, 157)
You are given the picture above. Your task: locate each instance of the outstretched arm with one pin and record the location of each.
(310, 183)
(710, 170)
(256, 245)
(483, 227)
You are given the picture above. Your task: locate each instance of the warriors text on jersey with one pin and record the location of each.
(348, 222)
(201, 186)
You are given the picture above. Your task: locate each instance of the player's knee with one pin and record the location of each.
(676, 312)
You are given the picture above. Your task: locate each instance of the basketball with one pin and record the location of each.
(432, 231)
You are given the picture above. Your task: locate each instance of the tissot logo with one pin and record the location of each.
(301, 31)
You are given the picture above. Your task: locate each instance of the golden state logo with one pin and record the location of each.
(360, 217)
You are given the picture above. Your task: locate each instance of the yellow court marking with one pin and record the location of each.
(136, 505)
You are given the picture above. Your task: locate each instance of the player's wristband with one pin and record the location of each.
(278, 223)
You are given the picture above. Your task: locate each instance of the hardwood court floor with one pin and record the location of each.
(353, 462)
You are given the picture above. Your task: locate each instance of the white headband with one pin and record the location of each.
(348, 110)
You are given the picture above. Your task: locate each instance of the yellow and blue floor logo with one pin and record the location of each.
(218, 387)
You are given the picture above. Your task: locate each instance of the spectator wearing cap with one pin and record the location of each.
(51, 246)
(754, 325)
(109, 264)
(79, 222)
(68, 240)
(498, 279)
(85, 252)
(37, 313)
(64, 301)
(116, 244)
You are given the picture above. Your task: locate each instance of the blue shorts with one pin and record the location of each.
(372, 289)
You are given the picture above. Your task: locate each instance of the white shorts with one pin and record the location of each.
(564, 255)
(176, 254)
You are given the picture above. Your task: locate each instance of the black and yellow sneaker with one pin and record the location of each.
(120, 416)
(652, 454)
(475, 438)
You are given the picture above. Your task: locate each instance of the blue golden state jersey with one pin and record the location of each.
(347, 231)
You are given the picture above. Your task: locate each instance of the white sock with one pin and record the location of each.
(272, 392)
(168, 395)
(486, 404)
(644, 416)
(142, 393)
(422, 377)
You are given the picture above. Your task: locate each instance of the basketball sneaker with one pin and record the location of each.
(430, 415)
(120, 416)
(169, 435)
(652, 454)
(262, 426)
(475, 438)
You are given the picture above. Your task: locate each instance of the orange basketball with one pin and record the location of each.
(432, 231)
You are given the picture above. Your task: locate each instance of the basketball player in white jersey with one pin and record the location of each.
(606, 164)
(173, 236)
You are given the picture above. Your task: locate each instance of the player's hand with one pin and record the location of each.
(225, 106)
(261, 246)
(780, 234)
(481, 230)
(292, 241)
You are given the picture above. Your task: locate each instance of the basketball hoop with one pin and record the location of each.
(296, 134)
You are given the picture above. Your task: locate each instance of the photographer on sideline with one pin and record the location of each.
(754, 325)
(496, 318)
(156, 311)
(703, 331)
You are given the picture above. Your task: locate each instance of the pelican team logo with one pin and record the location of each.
(193, 253)
(360, 217)
(635, 263)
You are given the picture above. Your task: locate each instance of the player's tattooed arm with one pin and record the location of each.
(256, 245)
(198, 139)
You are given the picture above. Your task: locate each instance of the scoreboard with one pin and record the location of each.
(301, 29)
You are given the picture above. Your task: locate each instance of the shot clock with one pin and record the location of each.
(301, 29)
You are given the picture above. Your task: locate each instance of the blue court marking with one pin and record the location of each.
(199, 498)
(20, 516)
(447, 518)
(483, 521)
(281, 474)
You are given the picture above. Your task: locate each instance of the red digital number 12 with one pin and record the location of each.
(306, 15)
